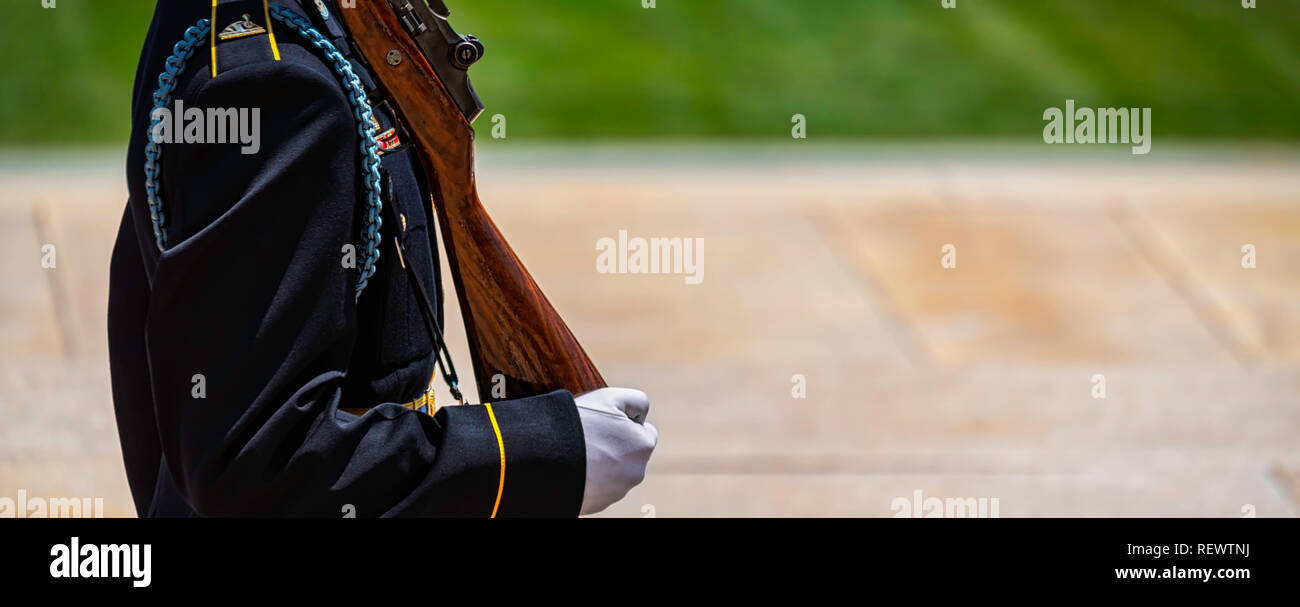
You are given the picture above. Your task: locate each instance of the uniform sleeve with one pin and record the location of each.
(252, 323)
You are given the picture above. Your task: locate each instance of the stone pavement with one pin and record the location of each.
(821, 261)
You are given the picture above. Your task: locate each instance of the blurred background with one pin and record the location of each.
(740, 68)
(828, 364)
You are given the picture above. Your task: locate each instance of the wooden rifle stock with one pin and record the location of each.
(512, 328)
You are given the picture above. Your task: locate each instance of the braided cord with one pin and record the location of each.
(172, 70)
(175, 65)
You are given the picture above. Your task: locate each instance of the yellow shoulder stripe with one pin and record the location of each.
(270, 29)
(213, 39)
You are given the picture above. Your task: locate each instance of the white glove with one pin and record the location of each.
(619, 443)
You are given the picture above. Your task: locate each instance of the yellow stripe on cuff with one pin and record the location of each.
(501, 446)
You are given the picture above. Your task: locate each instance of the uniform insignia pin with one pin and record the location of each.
(324, 12)
(388, 140)
(241, 28)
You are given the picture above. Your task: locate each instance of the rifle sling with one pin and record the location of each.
(442, 356)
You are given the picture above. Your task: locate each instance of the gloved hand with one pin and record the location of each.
(619, 443)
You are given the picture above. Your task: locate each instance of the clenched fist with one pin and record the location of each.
(619, 443)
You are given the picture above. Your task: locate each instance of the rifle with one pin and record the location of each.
(421, 65)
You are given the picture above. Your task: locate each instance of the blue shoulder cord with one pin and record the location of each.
(175, 66)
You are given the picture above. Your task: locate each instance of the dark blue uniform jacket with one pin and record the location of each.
(252, 295)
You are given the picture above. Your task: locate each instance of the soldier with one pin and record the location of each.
(255, 370)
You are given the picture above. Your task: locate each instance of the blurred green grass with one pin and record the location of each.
(741, 68)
